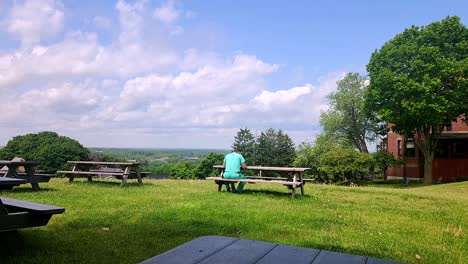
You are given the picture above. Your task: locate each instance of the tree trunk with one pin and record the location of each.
(428, 169)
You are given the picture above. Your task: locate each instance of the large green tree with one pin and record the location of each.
(275, 148)
(245, 141)
(52, 150)
(346, 116)
(205, 167)
(418, 83)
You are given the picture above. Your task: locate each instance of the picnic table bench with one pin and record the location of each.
(127, 170)
(220, 249)
(294, 177)
(16, 214)
(29, 175)
(7, 183)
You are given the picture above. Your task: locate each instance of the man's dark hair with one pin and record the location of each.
(237, 150)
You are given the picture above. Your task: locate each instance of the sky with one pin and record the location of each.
(187, 74)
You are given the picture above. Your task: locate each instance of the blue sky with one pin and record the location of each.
(177, 73)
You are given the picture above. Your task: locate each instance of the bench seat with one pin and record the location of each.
(283, 182)
(91, 173)
(16, 214)
(7, 183)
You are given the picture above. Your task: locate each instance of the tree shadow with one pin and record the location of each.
(273, 193)
(29, 190)
(107, 183)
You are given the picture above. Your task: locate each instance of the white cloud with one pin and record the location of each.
(34, 20)
(147, 90)
(266, 100)
(167, 12)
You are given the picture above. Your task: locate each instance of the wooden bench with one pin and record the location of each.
(129, 170)
(293, 181)
(16, 214)
(7, 183)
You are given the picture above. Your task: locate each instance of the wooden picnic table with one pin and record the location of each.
(16, 214)
(7, 183)
(29, 174)
(220, 250)
(293, 177)
(127, 170)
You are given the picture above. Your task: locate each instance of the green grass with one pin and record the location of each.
(105, 223)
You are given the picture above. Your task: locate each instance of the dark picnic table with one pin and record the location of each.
(7, 183)
(29, 175)
(220, 249)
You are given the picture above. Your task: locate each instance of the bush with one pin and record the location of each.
(52, 150)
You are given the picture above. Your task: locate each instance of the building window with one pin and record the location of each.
(410, 150)
(459, 149)
(399, 147)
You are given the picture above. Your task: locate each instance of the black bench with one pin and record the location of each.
(16, 214)
(7, 183)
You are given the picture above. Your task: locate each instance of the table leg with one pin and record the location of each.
(302, 183)
(71, 177)
(138, 174)
(30, 174)
(125, 176)
(12, 171)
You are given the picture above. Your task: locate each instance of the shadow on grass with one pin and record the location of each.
(29, 190)
(108, 183)
(394, 184)
(271, 193)
(346, 250)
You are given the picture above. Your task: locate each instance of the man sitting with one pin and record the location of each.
(233, 162)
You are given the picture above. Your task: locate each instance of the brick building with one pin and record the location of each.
(450, 159)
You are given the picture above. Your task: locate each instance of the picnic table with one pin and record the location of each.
(7, 183)
(220, 249)
(16, 214)
(28, 175)
(124, 170)
(293, 177)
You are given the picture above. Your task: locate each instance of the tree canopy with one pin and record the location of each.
(52, 150)
(418, 83)
(346, 117)
(275, 148)
(245, 141)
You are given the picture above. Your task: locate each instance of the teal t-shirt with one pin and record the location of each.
(232, 162)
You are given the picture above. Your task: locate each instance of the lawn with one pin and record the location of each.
(105, 223)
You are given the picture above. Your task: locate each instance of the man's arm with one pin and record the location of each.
(243, 165)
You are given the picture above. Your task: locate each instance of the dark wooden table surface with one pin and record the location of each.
(7, 183)
(29, 176)
(219, 250)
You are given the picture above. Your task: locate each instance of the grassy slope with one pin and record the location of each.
(105, 223)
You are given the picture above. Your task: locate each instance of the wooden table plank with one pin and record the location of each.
(193, 251)
(219, 250)
(241, 251)
(7, 183)
(289, 254)
(103, 163)
(290, 169)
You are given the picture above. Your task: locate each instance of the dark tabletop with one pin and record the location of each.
(219, 250)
